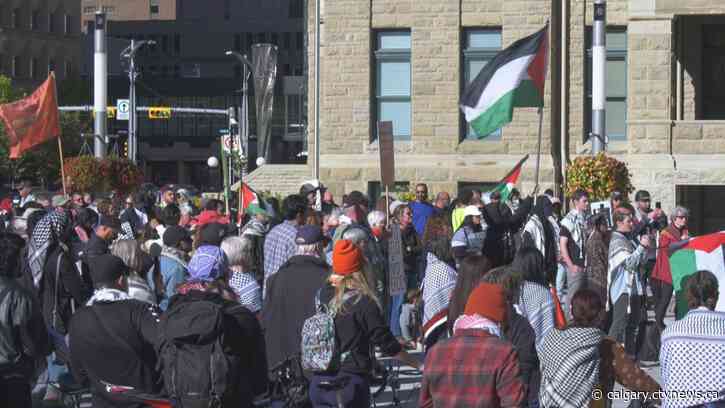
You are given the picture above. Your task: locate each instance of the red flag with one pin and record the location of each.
(32, 120)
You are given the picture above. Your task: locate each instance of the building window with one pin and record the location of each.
(165, 44)
(300, 37)
(68, 21)
(89, 10)
(15, 69)
(250, 41)
(238, 42)
(35, 20)
(479, 47)
(154, 9)
(286, 41)
(177, 44)
(616, 83)
(108, 9)
(15, 19)
(274, 39)
(713, 62)
(392, 82)
(68, 69)
(296, 8)
(33, 68)
(227, 9)
(375, 191)
(51, 65)
(51, 22)
(261, 38)
(2, 64)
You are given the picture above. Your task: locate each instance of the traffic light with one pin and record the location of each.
(159, 113)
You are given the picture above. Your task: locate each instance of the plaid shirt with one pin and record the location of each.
(472, 369)
(279, 247)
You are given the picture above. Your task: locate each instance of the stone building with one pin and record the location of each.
(409, 60)
(39, 36)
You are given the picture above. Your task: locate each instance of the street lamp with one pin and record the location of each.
(247, 69)
(130, 53)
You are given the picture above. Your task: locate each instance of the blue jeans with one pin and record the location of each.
(396, 305)
(560, 280)
(406, 314)
(355, 394)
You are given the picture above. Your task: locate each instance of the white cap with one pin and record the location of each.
(395, 204)
(471, 210)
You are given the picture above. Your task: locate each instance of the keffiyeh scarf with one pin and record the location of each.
(621, 250)
(536, 230)
(537, 305)
(569, 366)
(46, 233)
(247, 290)
(693, 358)
(106, 295)
(478, 322)
(576, 224)
(438, 283)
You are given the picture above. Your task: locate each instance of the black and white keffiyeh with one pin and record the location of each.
(126, 233)
(537, 305)
(247, 290)
(46, 233)
(569, 366)
(107, 295)
(693, 358)
(438, 283)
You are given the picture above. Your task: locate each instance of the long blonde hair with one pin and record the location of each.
(355, 281)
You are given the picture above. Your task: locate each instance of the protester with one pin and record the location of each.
(404, 242)
(256, 230)
(359, 325)
(239, 252)
(25, 190)
(168, 197)
(645, 217)
(291, 293)
(112, 340)
(78, 202)
(472, 269)
(579, 359)
(205, 307)
(89, 200)
(501, 224)
(531, 293)
(596, 251)
(212, 213)
(464, 199)
(134, 214)
(541, 231)
(661, 279)
(469, 238)
(59, 202)
(476, 367)
(571, 242)
(172, 265)
(23, 335)
(625, 281)
(131, 254)
(103, 234)
(279, 245)
(438, 282)
(616, 199)
(421, 208)
(693, 348)
(442, 201)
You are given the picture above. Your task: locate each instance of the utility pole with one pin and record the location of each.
(599, 72)
(130, 53)
(100, 86)
(244, 109)
(316, 175)
(556, 109)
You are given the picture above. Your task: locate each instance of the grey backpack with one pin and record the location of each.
(319, 348)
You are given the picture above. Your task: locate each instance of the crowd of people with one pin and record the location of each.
(514, 304)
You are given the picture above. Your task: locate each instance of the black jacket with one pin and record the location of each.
(498, 245)
(71, 287)
(23, 336)
(243, 340)
(522, 337)
(114, 342)
(289, 300)
(95, 246)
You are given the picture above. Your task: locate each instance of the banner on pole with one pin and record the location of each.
(387, 154)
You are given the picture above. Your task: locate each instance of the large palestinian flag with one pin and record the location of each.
(508, 182)
(515, 77)
(696, 254)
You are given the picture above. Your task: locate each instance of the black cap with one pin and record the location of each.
(212, 234)
(308, 235)
(616, 195)
(106, 268)
(642, 195)
(109, 222)
(175, 234)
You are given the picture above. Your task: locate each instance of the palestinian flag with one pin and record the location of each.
(697, 254)
(515, 77)
(247, 196)
(508, 182)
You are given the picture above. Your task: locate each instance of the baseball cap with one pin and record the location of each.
(471, 210)
(60, 200)
(213, 234)
(616, 195)
(175, 234)
(106, 268)
(308, 235)
(254, 209)
(109, 222)
(642, 195)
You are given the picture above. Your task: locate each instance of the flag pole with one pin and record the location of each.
(538, 150)
(60, 142)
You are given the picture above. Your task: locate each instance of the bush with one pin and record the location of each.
(82, 173)
(121, 175)
(599, 176)
(86, 173)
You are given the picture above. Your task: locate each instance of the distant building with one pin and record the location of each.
(129, 10)
(38, 37)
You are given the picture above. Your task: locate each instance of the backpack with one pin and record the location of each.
(197, 372)
(320, 351)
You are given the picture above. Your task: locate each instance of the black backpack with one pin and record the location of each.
(197, 371)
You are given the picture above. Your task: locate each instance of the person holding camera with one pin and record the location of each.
(625, 283)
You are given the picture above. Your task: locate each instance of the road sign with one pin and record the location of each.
(159, 113)
(122, 109)
(227, 143)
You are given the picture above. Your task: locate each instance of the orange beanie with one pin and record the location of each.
(346, 258)
(487, 300)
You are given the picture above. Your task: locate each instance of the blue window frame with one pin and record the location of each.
(479, 47)
(393, 83)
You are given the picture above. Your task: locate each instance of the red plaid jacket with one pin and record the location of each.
(472, 369)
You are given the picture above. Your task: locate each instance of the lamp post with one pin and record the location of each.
(247, 69)
(130, 53)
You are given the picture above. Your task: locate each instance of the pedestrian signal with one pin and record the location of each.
(159, 113)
